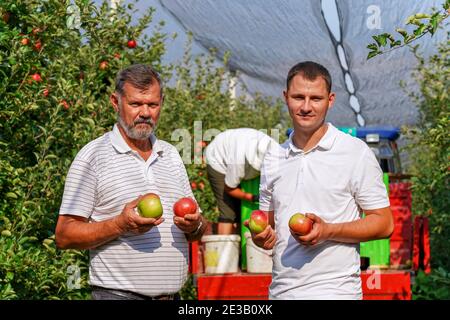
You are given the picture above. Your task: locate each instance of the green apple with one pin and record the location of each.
(150, 206)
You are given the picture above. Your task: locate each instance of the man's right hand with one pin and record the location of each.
(265, 239)
(130, 221)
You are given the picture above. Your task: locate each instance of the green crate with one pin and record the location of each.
(378, 251)
(250, 186)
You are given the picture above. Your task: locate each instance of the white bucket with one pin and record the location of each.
(258, 259)
(221, 253)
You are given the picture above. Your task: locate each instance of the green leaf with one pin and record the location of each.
(402, 32)
(372, 54)
(380, 39)
(372, 47)
(11, 195)
(434, 24)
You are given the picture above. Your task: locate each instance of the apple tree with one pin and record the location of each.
(58, 60)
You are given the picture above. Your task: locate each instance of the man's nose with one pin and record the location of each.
(144, 111)
(306, 106)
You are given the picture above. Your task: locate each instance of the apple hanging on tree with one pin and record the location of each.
(103, 65)
(36, 77)
(132, 44)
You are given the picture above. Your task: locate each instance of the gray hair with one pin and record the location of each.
(140, 76)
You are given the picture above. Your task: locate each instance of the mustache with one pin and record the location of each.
(146, 121)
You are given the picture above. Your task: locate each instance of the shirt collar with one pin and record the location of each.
(325, 143)
(122, 146)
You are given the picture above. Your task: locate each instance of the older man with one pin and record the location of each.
(131, 257)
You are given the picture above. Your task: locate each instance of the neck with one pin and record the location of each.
(136, 145)
(306, 140)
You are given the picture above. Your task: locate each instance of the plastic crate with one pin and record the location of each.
(251, 186)
(378, 251)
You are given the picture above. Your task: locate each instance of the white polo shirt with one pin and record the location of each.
(107, 174)
(238, 154)
(331, 180)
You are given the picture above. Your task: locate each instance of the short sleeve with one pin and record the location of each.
(367, 184)
(79, 190)
(265, 187)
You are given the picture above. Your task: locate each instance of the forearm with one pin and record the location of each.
(371, 227)
(84, 235)
(238, 193)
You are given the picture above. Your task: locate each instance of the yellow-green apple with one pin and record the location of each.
(150, 206)
(258, 221)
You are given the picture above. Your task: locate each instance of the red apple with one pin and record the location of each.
(150, 206)
(25, 41)
(45, 92)
(201, 185)
(258, 221)
(35, 31)
(300, 224)
(103, 65)
(184, 206)
(65, 104)
(37, 46)
(117, 55)
(36, 77)
(193, 186)
(131, 44)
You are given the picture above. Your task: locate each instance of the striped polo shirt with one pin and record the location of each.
(107, 174)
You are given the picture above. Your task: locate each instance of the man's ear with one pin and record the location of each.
(331, 99)
(114, 101)
(285, 95)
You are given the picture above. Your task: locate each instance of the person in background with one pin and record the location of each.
(234, 155)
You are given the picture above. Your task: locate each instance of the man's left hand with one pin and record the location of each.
(189, 223)
(318, 233)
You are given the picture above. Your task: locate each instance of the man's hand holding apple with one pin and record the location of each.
(130, 221)
(317, 234)
(265, 239)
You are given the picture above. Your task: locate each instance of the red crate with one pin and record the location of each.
(402, 231)
(239, 286)
(376, 285)
(386, 285)
(401, 213)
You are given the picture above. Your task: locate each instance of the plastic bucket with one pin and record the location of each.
(258, 259)
(221, 253)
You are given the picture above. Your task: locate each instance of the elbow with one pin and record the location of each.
(389, 229)
(60, 242)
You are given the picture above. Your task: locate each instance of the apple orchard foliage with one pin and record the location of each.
(55, 81)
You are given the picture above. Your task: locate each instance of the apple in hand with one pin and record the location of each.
(258, 221)
(184, 206)
(150, 206)
(300, 224)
